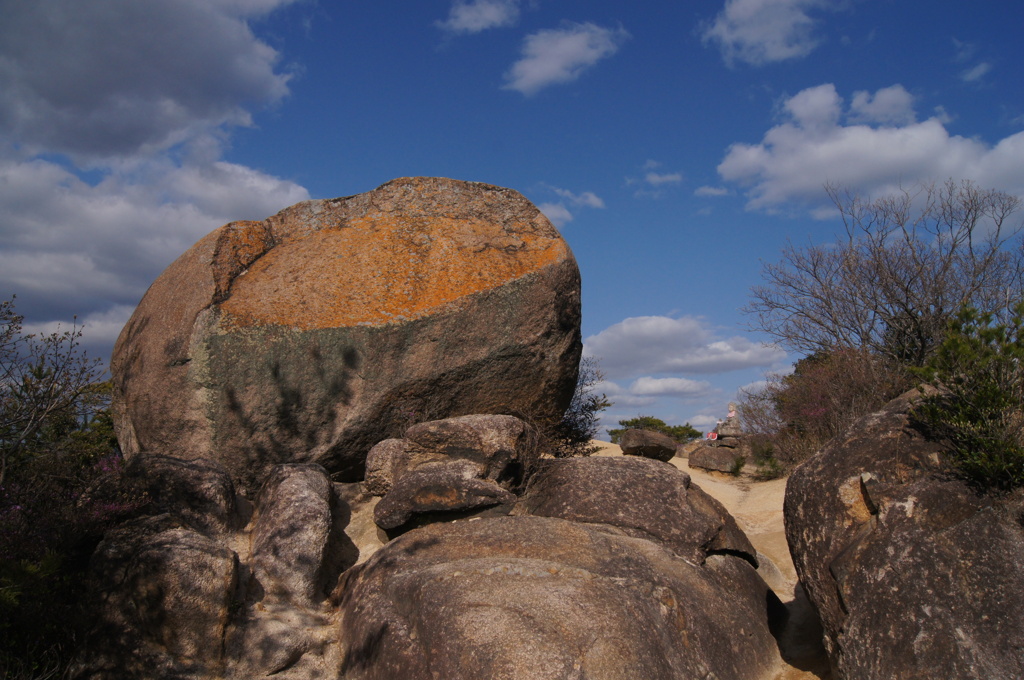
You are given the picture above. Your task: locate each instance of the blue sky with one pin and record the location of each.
(676, 145)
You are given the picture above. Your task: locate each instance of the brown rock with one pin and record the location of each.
(322, 330)
(718, 458)
(546, 599)
(648, 444)
(914, 575)
(642, 497)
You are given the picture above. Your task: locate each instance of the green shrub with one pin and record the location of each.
(680, 433)
(572, 435)
(978, 410)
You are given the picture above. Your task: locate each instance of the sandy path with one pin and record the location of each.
(757, 507)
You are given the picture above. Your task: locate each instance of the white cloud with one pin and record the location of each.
(109, 241)
(479, 15)
(648, 345)
(677, 387)
(710, 191)
(113, 117)
(557, 213)
(761, 31)
(657, 178)
(110, 78)
(976, 73)
(877, 147)
(888, 106)
(555, 56)
(588, 198)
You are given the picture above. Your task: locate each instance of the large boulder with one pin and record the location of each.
(913, 573)
(652, 500)
(320, 331)
(455, 465)
(717, 458)
(538, 598)
(648, 443)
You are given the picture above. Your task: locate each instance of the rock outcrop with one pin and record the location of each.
(543, 598)
(313, 335)
(648, 444)
(652, 500)
(604, 568)
(708, 456)
(913, 573)
(455, 465)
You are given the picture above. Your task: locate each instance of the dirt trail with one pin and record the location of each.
(757, 507)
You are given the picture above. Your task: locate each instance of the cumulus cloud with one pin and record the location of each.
(889, 106)
(479, 15)
(711, 192)
(871, 147)
(555, 56)
(649, 345)
(109, 78)
(558, 211)
(113, 116)
(107, 242)
(676, 387)
(758, 32)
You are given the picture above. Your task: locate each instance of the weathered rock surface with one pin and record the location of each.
(180, 595)
(315, 334)
(648, 444)
(199, 492)
(914, 575)
(291, 532)
(497, 448)
(166, 594)
(543, 598)
(643, 498)
(718, 458)
(447, 466)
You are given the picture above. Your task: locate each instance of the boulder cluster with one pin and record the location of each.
(334, 414)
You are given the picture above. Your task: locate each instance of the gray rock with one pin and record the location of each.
(315, 334)
(438, 488)
(498, 448)
(291, 533)
(166, 599)
(648, 444)
(199, 492)
(643, 498)
(544, 598)
(718, 458)
(914, 574)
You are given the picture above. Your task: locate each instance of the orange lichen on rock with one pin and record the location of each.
(384, 267)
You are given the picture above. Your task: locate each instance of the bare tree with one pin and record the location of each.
(42, 378)
(908, 264)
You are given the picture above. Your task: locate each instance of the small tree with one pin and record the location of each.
(680, 433)
(45, 382)
(578, 427)
(979, 408)
(907, 265)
